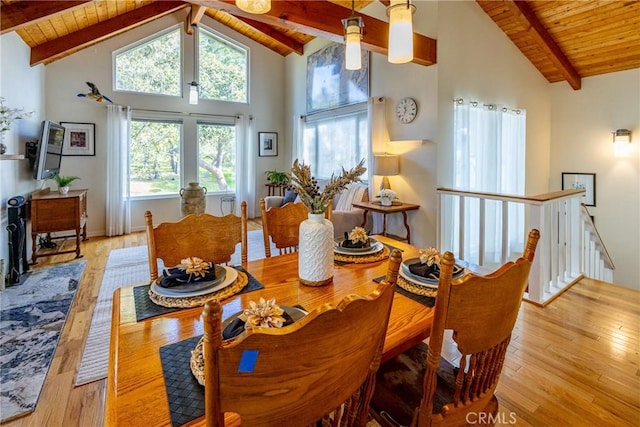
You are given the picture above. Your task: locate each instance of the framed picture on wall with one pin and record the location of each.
(79, 139)
(581, 181)
(267, 144)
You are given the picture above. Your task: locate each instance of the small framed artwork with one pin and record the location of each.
(581, 181)
(79, 139)
(267, 144)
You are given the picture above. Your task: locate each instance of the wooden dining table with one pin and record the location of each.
(136, 394)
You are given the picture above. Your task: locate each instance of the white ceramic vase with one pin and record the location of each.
(386, 201)
(315, 251)
(63, 190)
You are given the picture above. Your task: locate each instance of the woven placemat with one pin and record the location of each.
(416, 289)
(362, 259)
(185, 395)
(428, 301)
(146, 308)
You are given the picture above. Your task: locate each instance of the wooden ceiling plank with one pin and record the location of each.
(81, 18)
(47, 29)
(20, 14)
(323, 19)
(73, 42)
(524, 14)
(270, 31)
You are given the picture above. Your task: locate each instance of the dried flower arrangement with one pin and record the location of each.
(358, 234)
(195, 266)
(8, 115)
(429, 265)
(264, 314)
(302, 182)
(430, 256)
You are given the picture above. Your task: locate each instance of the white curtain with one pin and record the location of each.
(298, 131)
(489, 147)
(118, 215)
(245, 165)
(379, 138)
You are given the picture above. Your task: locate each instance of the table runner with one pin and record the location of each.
(145, 308)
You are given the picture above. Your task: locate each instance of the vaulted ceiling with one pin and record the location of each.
(564, 40)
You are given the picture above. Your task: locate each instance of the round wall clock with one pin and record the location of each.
(406, 110)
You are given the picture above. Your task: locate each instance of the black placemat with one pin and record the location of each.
(145, 308)
(422, 299)
(184, 393)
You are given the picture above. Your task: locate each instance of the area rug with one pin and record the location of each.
(32, 317)
(126, 267)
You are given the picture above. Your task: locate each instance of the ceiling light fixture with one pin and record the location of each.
(193, 86)
(352, 36)
(256, 7)
(400, 31)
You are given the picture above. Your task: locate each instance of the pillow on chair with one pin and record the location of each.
(353, 193)
(289, 196)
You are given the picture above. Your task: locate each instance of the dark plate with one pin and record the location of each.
(294, 312)
(221, 273)
(457, 272)
(339, 241)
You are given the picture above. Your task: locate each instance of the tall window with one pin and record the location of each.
(222, 69)
(489, 148)
(155, 157)
(332, 141)
(217, 157)
(151, 66)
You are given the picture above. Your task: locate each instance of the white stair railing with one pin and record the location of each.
(569, 247)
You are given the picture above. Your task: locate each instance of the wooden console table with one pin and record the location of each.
(402, 208)
(54, 212)
(272, 189)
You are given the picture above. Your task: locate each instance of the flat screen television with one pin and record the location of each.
(49, 154)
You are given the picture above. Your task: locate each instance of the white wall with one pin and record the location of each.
(582, 142)
(22, 87)
(66, 78)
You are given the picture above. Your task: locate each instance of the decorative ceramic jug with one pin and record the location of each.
(386, 201)
(315, 251)
(193, 199)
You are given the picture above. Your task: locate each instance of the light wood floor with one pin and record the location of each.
(575, 362)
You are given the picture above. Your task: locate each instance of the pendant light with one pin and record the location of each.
(254, 6)
(193, 86)
(400, 31)
(352, 36)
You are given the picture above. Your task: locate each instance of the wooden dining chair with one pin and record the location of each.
(420, 388)
(282, 225)
(295, 375)
(211, 238)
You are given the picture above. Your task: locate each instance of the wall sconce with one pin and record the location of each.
(254, 6)
(400, 31)
(352, 36)
(385, 165)
(193, 86)
(621, 142)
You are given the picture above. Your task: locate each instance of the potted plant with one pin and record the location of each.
(277, 178)
(63, 182)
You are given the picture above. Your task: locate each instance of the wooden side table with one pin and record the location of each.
(272, 188)
(402, 208)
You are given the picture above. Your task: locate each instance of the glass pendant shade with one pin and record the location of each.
(400, 31)
(353, 58)
(254, 6)
(193, 93)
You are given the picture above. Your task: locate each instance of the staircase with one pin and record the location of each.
(569, 249)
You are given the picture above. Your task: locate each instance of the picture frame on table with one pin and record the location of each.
(581, 181)
(267, 144)
(79, 139)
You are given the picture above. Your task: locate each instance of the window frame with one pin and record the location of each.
(144, 40)
(228, 40)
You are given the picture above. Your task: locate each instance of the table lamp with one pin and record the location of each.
(385, 165)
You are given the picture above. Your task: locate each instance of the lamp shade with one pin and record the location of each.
(400, 31)
(352, 36)
(386, 164)
(622, 143)
(254, 6)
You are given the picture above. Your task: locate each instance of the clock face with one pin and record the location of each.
(406, 110)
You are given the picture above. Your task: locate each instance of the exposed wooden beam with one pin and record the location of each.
(323, 19)
(194, 17)
(527, 17)
(272, 32)
(16, 15)
(77, 40)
